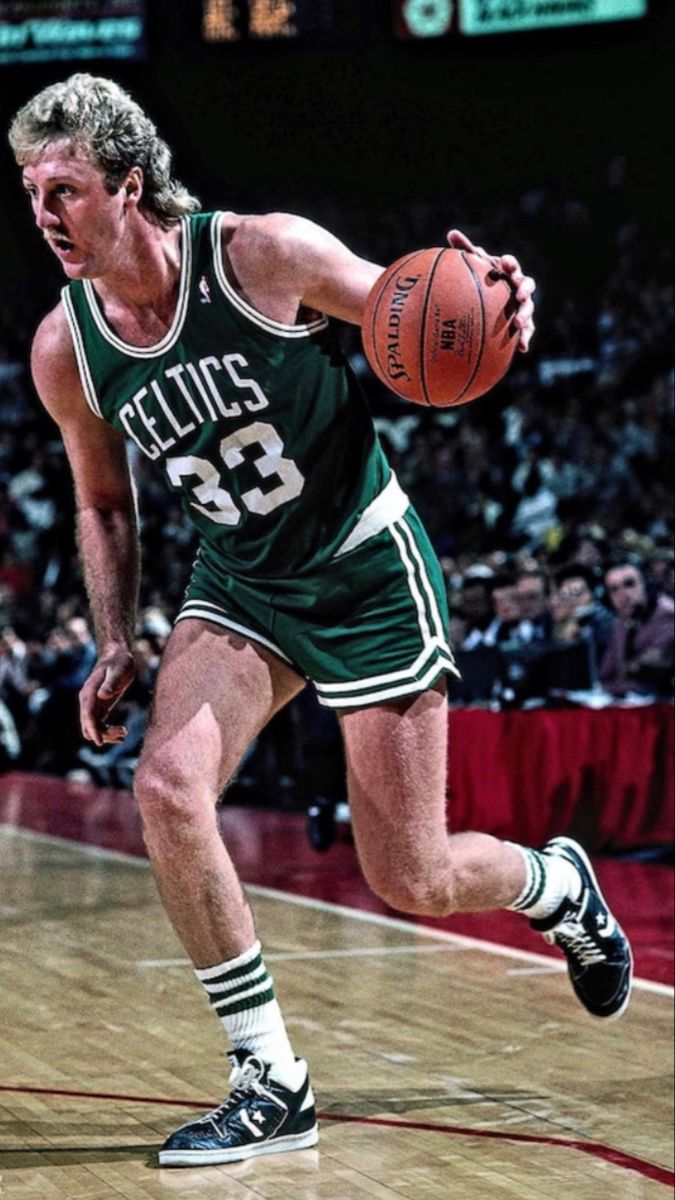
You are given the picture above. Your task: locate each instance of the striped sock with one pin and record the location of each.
(242, 994)
(551, 879)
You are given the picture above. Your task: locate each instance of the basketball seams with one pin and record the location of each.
(423, 327)
(406, 328)
(372, 329)
(479, 355)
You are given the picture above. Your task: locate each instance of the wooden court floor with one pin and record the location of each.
(442, 1071)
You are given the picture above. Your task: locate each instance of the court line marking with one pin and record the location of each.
(313, 955)
(548, 970)
(598, 1150)
(459, 940)
(607, 1154)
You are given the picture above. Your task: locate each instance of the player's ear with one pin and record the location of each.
(133, 185)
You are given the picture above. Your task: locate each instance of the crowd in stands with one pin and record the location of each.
(549, 501)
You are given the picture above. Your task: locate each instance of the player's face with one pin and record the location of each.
(81, 221)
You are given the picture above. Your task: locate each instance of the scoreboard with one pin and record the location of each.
(298, 20)
(61, 30)
(42, 30)
(436, 18)
(312, 20)
(269, 20)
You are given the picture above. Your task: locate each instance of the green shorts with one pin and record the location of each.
(365, 628)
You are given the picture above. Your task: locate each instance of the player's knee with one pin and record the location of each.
(166, 794)
(418, 895)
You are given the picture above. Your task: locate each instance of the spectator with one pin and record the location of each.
(576, 611)
(661, 570)
(536, 514)
(640, 654)
(531, 592)
(505, 609)
(586, 545)
(12, 687)
(10, 743)
(62, 668)
(475, 608)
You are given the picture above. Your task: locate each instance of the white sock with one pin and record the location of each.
(241, 992)
(551, 879)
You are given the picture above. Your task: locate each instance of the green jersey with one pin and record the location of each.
(259, 427)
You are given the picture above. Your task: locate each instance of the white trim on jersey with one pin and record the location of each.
(172, 334)
(387, 507)
(258, 318)
(80, 354)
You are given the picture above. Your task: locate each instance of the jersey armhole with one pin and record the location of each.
(80, 354)
(242, 306)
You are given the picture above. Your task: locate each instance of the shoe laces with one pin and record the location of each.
(245, 1082)
(580, 945)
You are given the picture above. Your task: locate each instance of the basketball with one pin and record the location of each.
(438, 327)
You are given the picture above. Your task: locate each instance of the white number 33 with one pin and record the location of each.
(210, 497)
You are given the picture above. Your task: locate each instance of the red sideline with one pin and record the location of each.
(618, 1158)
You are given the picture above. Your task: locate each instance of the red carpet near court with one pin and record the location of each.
(271, 850)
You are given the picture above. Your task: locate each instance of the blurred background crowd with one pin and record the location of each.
(549, 501)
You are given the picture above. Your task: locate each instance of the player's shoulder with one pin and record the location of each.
(53, 362)
(52, 340)
(268, 239)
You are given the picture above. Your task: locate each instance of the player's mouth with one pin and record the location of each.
(61, 245)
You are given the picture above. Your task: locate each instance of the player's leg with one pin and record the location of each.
(396, 766)
(214, 693)
(396, 770)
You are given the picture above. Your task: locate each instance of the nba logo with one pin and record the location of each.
(204, 290)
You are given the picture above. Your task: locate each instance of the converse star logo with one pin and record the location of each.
(248, 1122)
(204, 290)
(606, 924)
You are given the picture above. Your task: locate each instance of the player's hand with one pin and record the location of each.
(108, 681)
(523, 285)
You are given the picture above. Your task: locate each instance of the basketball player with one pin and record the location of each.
(209, 341)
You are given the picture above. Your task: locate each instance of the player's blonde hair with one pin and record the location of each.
(103, 121)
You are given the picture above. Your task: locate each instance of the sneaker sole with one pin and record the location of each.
(213, 1158)
(564, 843)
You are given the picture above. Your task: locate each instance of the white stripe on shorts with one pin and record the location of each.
(374, 688)
(426, 582)
(442, 662)
(403, 549)
(204, 610)
(390, 677)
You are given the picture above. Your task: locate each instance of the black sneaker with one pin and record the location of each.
(599, 959)
(259, 1117)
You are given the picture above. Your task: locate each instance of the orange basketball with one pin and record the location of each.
(438, 327)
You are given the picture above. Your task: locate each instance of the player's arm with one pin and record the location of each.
(281, 259)
(283, 263)
(106, 522)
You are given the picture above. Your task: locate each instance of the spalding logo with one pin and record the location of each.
(395, 367)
